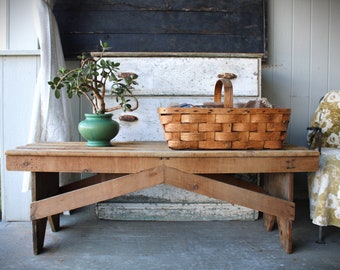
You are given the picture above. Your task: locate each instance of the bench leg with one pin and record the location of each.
(54, 222)
(286, 234)
(44, 185)
(269, 221)
(38, 229)
(280, 185)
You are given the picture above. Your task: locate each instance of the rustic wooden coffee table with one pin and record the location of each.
(129, 167)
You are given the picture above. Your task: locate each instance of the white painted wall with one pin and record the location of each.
(19, 61)
(303, 64)
(3, 25)
(17, 102)
(304, 57)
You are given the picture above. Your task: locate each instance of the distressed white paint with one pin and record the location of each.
(191, 76)
(165, 194)
(167, 203)
(173, 211)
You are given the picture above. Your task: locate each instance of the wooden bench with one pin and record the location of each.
(129, 167)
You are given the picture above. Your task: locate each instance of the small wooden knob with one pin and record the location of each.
(227, 76)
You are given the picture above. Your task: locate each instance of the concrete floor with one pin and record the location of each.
(88, 243)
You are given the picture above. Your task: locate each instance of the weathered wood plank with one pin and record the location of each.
(148, 149)
(180, 211)
(286, 234)
(160, 5)
(96, 193)
(74, 45)
(176, 22)
(230, 193)
(280, 185)
(162, 26)
(194, 183)
(129, 165)
(126, 158)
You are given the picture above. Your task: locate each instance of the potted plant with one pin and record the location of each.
(91, 80)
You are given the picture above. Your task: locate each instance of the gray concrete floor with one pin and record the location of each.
(88, 243)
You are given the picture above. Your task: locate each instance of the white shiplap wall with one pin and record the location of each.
(3, 24)
(303, 64)
(17, 99)
(19, 61)
(304, 57)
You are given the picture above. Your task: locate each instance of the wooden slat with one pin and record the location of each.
(251, 164)
(126, 158)
(171, 23)
(165, 6)
(135, 182)
(199, 165)
(230, 193)
(161, 26)
(96, 193)
(149, 149)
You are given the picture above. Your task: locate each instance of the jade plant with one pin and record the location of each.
(91, 80)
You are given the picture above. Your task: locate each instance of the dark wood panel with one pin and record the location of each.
(209, 23)
(143, 43)
(230, 6)
(229, 26)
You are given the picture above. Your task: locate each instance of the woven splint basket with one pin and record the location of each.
(226, 127)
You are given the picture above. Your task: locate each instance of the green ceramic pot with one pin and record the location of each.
(98, 129)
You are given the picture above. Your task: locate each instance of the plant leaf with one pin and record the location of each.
(57, 93)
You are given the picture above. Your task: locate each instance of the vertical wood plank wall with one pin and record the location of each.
(304, 58)
(303, 64)
(17, 100)
(19, 62)
(3, 24)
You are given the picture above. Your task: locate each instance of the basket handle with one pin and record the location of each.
(228, 92)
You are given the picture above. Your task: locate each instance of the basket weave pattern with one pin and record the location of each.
(224, 128)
